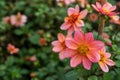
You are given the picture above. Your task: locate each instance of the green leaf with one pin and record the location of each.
(117, 63)
(34, 39)
(118, 57)
(18, 32)
(107, 76)
(72, 75)
(92, 78)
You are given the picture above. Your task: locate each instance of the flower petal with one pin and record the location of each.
(107, 6)
(62, 55)
(71, 44)
(95, 7)
(71, 11)
(70, 30)
(61, 37)
(110, 62)
(93, 56)
(70, 53)
(55, 43)
(75, 61)
(79, 23)
(77, 9)
(79, 37)
(107, 55)
(83, 14)
(65, 26)
(98, 5)
(86, 63)
(57, 48)
(89, 37)
(103, 66)
(112, 8)
(97, 45)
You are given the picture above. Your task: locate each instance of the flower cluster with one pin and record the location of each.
(16, 20)
(80, 47)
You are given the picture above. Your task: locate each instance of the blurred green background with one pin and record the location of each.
(44, 18)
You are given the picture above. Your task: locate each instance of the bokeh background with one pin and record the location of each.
(35, 59)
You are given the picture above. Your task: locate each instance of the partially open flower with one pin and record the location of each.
(12, 49)
(106, 9)
(18, 20)
(43, 41)
(93, 17)
(74, 20)
(104, 61)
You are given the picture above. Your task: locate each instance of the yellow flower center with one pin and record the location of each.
(83, 49)
(102, 57)
(106, 10)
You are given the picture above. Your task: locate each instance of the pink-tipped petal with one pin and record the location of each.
(103, 66)
(57, 48)
(86, 63)
(70, 30)
(77, 9)
(69, 53)
(71, 11)
(65, 26)
(71, 44)
(96, 45)
(93, 56)
(95, 7)
(62, 55)
(107, 6)
(98, 5)
(112, 8)
(75, 61)
(110, 62)
(79, 23)
(107, 55)
(61, 37)
(89, 37)
(79, 36)
(55, 43)
(83, 14)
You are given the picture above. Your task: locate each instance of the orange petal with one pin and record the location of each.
(61, 37)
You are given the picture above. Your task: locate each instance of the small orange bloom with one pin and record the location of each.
(104, 60)
(93, 17)
(43, 41)
(12, 49)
